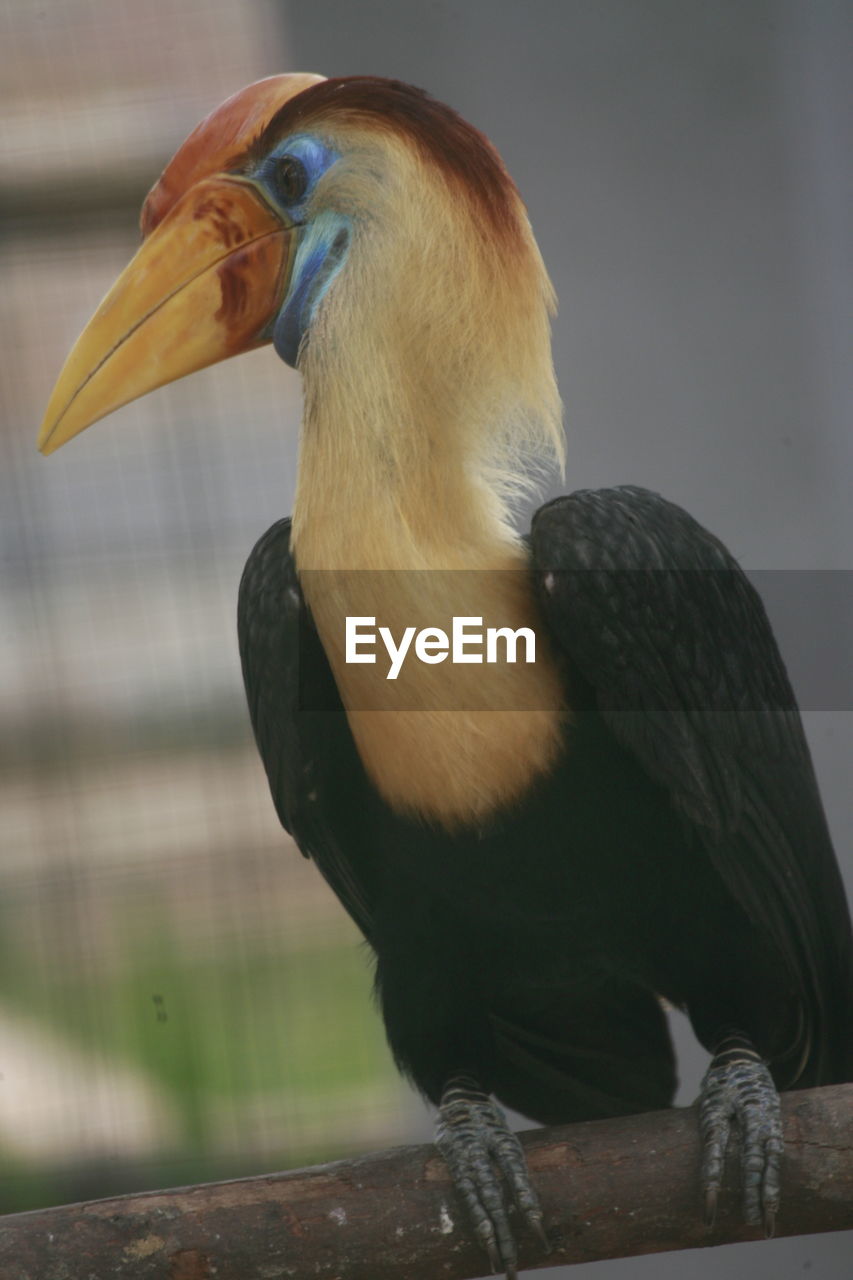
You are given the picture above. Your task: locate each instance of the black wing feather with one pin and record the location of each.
(666, 628)
(314, 772)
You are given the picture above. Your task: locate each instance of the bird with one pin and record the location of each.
(541, 854)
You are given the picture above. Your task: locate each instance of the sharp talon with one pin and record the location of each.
(739, 1088)
(487, 1164)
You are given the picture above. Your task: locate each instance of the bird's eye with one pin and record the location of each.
(290, 179)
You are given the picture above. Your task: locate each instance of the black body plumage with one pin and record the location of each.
(678, 849)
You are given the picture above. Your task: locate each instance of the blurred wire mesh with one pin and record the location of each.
(180, 995)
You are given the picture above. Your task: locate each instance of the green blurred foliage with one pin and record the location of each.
(245, 1035)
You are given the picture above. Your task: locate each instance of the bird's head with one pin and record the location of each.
(366, 230)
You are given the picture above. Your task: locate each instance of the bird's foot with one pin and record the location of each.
(473, 1137)
(737, 1086)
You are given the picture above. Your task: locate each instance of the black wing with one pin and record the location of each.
(674, 641)
(315, 775)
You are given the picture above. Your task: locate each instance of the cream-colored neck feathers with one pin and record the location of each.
(428, 382)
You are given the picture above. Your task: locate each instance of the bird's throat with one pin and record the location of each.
(450, 741)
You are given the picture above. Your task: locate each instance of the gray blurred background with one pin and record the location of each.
(180, 996)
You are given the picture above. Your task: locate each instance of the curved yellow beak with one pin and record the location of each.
(205, 285)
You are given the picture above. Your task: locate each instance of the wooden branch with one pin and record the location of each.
(609, 1189)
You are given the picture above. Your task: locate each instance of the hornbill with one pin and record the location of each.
(539, 853)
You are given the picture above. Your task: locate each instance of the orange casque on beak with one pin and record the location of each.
(211, 274)
(202, 287)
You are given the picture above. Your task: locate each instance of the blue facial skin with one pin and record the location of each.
(322, 248)
(320, 256)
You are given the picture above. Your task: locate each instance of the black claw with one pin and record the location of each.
(738, 1087)
(474, 1139)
